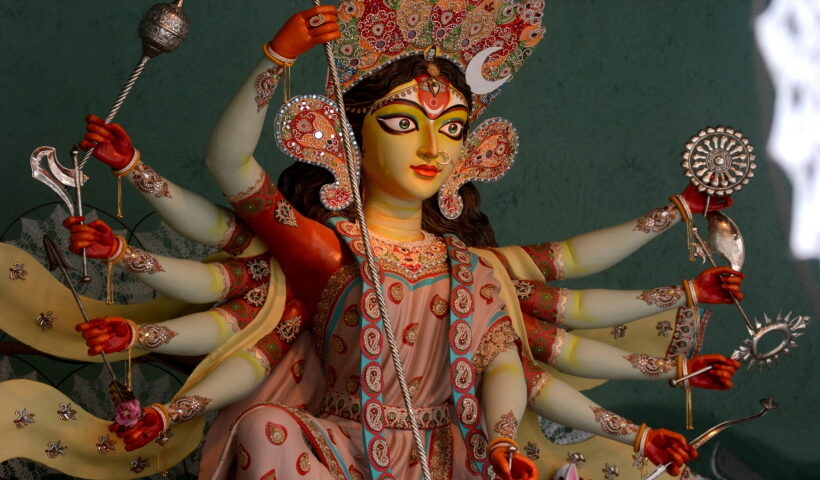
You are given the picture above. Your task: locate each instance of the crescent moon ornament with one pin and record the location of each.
(478, 84)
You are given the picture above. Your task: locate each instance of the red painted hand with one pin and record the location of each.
(106, 334)
(663, 446)
(719, 285)
(697, 200)
(146, 429)
(96, 238)
(297, 36)
(718, 378)
(522, 467)
(111, 144)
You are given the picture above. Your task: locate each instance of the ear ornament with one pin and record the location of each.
(486, 156)
(309, 129)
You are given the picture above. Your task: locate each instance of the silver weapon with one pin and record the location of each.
(119, 392)
(720, 161)
(768, 404)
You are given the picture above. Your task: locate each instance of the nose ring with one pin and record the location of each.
(444, 155)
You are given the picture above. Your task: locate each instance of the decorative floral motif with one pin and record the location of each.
(284, 213)
(657, 220)
(105, 445)
(613, 423)
(128, 413)
(309, 129)
(507, 426)
(576, 458)
(438, 306)
(55, 449)
(23, 418)
(486, 156)
(663, 327)
(147, 180)
(618, 331)
(243, 458)
(303, 464)
(18, 271)
(611, 471)
(187, 407)
(139, 261)
(639, 461)
(265, 85)
(277, 434)
(523, 288)
(45, 320)
(258, 269)
(410, 334)
(663, 297)
(257, 295)
(396, 292)
(648, 365)
(532, 451)
(151, 336)
(487, 292)
(289, 328)
(139, 464)
(66, 413)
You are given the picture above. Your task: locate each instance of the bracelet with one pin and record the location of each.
(120, 253)
(640, 439)
(130, 166)
(691, 295)
(163, 413)
(682, 370)
(683, 207)
(275, 57)
(501, 442)
(134, 333)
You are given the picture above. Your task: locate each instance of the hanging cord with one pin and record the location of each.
(372, 267)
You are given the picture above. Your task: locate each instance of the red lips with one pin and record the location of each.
(426, 170)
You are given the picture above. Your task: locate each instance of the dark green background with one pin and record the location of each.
(603, 108)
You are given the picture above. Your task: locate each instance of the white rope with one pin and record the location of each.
(372, 266)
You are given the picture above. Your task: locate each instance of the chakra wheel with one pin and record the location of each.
(719, 160)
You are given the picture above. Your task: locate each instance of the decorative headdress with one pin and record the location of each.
(489, 40)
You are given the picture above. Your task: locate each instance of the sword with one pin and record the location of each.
(118, 391)
(767, 404)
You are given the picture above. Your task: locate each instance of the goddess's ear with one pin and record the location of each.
(487, 154)
(309, 129)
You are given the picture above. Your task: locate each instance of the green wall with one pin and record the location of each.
(603, 109)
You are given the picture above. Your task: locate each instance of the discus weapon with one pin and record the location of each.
(720, 161)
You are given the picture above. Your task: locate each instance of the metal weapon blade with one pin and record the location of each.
(768, 404)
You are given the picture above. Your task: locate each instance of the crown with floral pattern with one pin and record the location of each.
(489, 40)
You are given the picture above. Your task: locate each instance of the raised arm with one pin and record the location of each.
(229, 155)
(596, 251)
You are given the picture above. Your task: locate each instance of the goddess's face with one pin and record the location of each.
(412, 138)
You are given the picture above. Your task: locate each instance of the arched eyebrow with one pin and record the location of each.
(404, 101)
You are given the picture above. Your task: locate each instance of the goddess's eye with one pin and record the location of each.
(397, 124)
(453, 129)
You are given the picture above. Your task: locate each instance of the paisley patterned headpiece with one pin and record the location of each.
(489, 40)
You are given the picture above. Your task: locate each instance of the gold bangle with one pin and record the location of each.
(640, 438)
(683, 207)
(163, 412)
(120, 253)
(275, 57)
(501, 441)
(135, 333)
(691, 295)
(130, 166)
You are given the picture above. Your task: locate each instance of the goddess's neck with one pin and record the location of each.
(392, 218)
